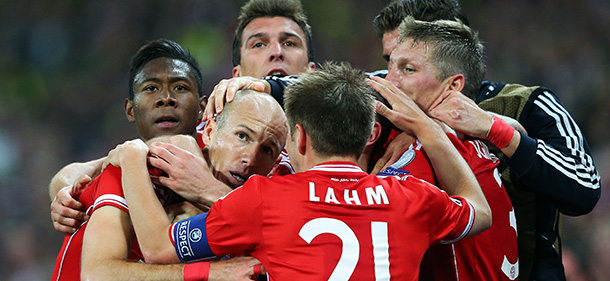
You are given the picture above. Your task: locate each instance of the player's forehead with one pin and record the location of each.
(410, 51)
(259, 115)
(272, 27)
(165, 68)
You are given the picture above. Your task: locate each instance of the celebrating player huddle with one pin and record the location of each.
(329, 175)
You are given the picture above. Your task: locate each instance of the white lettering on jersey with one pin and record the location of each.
(312, 193)
(330, 196)
(353, 199)
(374, 196)
(483, 151)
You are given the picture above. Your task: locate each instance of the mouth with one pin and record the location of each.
(239, 178)
(277, 72)
(167, 122)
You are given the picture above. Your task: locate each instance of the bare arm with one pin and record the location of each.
(106, 247)
(454, 174)
(464, 115)
(111, 226)
(150, 220)
(68, 174)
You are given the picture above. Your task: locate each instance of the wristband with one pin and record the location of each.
(500, 133)
(197, 271)
(258, 269)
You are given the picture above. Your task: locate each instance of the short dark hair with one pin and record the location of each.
(254, 9)
(454, 48)
(392, 15)
(335, 106)
(163, 48)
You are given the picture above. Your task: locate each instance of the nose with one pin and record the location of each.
(393, 76)
(275, 52)
(249, 155)
(166, 98)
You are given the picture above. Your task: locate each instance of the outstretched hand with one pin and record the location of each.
(226, 89)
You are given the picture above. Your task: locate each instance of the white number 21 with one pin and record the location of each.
(351, 247)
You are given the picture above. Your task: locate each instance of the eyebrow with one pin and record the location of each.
(273, 140)
(284, 34)
(172, 79)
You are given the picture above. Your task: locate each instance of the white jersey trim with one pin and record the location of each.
(111, 198)
(466, 230)
(337, 168)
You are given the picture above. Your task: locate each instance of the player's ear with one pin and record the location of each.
(311, 66)
(129, 110)
(237, 71)
(208, 130)
(301, 138)
(375, 133)
(456, 82)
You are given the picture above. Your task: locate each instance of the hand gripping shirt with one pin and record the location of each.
(332, 221)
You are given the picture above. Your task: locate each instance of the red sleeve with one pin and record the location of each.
(451, 217)
(233, 224)
(109, 190)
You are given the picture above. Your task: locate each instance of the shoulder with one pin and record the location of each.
(107, 189)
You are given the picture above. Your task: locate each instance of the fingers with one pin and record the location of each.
(165, 152)
(79, 185)
(209, 111)
(397, 147)
(388, 90)
(381, 164)
(226, 90)
(67, 216)
(220, 94)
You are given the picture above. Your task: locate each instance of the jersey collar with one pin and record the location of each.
(337, 166)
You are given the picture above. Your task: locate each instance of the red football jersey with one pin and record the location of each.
(104, 190)
(491, 255)
(331, 221)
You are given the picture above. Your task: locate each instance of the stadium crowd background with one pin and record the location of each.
(63, 79)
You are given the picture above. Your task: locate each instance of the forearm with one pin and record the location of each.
(149, 219)
(214, 190)
(572, 184)
(68, 174)
(131, 270)
(278, 85)
(454, 175)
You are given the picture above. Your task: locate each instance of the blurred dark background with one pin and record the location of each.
(63, 81)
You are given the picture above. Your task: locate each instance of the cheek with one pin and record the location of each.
(222, 153)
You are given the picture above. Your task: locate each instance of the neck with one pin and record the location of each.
(364, 161)
(310, 162)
